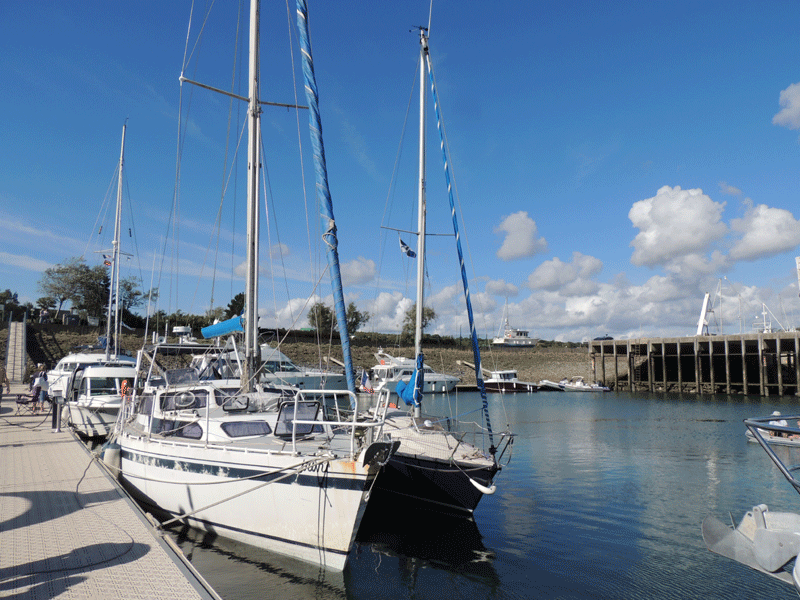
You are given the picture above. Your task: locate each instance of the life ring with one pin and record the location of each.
(383, 363)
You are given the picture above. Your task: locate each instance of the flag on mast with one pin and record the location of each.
(406, 250)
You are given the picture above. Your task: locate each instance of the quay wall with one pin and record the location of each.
(762, 364)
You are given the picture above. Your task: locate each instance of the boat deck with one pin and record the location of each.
(429, 439)
(68, 530)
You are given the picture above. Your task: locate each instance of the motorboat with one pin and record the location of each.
(764, 540)
(514, 338)
(775, 439)
(503, 381)
(95, 395)
(278, 369)
(577, 384)
(545, 385)
(275, 368)
(58, 377)
(391, 370)
(509, 337)
(507, 381)
(235, 456)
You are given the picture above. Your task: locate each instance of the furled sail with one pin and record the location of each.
(323, 191)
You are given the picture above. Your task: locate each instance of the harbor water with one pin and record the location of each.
(603, 498)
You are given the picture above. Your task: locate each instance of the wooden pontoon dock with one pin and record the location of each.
(762, 364)
(67, 530)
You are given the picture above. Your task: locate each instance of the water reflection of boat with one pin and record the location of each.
(423, 538)
(764, 540)
(232, 567)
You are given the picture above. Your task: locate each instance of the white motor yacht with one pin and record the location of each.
(391, 370)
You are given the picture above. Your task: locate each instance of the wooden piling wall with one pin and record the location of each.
(762, 364)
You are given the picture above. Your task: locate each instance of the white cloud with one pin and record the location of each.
(239, 271)
(387, 312)
(674, 223)
(521, 240)
(729, 190)
(789, 115)
(500, 288)
(568, 278)
(24, 262)
(766, 232)
(292, 314)
(278, 250)
(358, 271)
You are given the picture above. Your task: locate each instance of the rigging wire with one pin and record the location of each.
(225, 163)
(388, 203)
(102, 213)
(315, 240)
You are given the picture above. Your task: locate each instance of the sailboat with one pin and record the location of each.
(235, 457)
(92, 383)
(437, 463)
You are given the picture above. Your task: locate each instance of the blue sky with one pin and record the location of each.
(613, 161)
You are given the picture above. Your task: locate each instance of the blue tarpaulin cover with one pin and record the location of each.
(411, 391)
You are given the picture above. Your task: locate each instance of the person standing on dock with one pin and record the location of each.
(39, 387)
(4, 380)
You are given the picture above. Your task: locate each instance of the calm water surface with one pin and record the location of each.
(603, 498)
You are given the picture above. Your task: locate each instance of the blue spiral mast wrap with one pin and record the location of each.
(323, 191)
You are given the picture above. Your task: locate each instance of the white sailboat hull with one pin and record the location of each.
(313, 515)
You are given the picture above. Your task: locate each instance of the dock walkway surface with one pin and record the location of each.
(67, 530)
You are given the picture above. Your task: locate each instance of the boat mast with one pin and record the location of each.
(113, 288)
(251, 292)
(422, 209)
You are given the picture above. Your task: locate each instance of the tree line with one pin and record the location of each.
(87, 289)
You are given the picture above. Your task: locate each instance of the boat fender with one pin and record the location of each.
(111, 456)
(482, 488)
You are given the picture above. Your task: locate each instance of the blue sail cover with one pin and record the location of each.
(223, 328)
(411, 391)
(323, 191)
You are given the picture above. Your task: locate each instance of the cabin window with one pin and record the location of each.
(237, 429)
(275, 366)
(306, 411)
(177, 376)
(180, 429)
(187, 400)
(103, 386)
(146, 406)
(231, 400)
